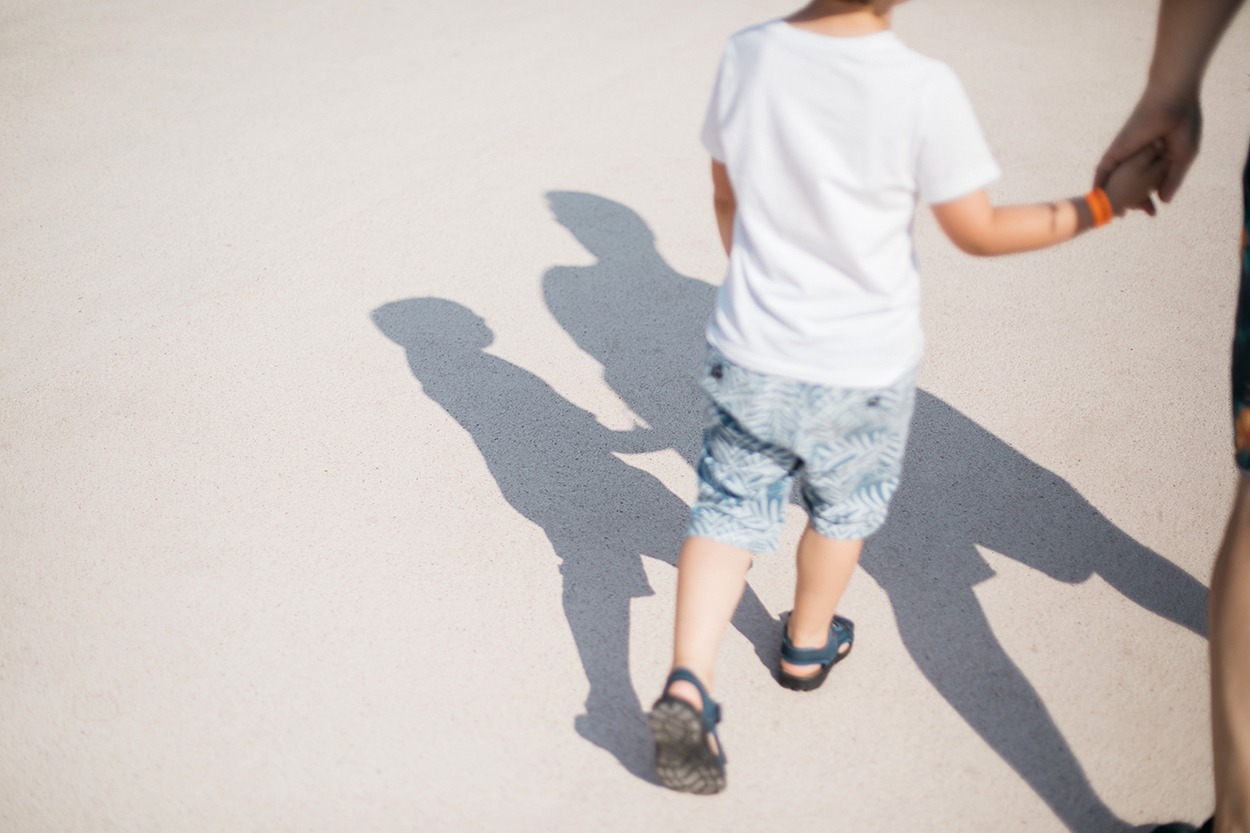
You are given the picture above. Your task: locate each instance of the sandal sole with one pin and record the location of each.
(812, 682)
(682, 757)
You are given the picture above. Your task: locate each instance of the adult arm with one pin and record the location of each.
(1168, 111)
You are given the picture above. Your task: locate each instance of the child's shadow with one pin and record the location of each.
(961, 486)
(556, 465)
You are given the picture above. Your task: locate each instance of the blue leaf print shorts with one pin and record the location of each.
(843, 446)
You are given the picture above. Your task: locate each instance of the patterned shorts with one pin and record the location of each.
(1241, 337)
(843, 446)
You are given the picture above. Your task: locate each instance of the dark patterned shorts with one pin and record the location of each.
(1241, 337)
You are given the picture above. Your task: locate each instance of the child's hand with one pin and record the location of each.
(1132, 183)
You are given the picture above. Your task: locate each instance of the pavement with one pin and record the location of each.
(347, 404)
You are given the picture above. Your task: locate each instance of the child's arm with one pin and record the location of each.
(725, 203)
(977, 227)
(638, 440)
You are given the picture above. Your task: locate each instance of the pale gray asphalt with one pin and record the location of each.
(285, 546)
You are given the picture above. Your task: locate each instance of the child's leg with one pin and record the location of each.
(824, 568)
(710, 580)
(852, 452)
(745, 479)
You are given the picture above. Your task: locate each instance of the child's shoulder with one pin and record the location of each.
(754, 34)
(885, 49)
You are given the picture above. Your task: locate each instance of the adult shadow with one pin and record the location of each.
(962, 486)
(643, 321)
(556, 465)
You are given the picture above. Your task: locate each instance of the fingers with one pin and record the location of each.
(1131, 184)
(1148, 157)
(1103, 173)
(1175, 176)
(1120, 151)
(1149, 123)
(1106, 165)
(1157, 169)
(1138, 153)
(1147, 205)
(1128, 143)
(1159, 140)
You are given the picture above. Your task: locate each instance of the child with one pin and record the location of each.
(825, 131)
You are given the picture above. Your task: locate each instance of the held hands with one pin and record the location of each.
(1173, 126)
(1132, 181)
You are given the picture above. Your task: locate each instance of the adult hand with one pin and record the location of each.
(1134, 180)
(1175, 125)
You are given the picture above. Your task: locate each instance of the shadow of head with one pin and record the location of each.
(433, 325)
(606, 229)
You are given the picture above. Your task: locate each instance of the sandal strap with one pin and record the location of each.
(711, 709)
(841, 632)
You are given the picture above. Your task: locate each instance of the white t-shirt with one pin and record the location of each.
(829, 143)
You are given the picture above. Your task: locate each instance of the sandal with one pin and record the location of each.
(683, 759)
(841, 632)
(1183, 827)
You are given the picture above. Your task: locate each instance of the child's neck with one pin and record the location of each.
(840, 18)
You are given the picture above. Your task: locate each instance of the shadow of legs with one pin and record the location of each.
(614, 719)
(761, 628)
(955, 648)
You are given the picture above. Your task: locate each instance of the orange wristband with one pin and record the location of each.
(1100, 207)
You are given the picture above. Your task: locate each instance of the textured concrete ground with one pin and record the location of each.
(346, 404)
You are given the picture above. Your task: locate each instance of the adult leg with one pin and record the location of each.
(1230, 669)
(1229, 602)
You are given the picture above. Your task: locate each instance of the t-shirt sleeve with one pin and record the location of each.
(954, 158)
(721, 95)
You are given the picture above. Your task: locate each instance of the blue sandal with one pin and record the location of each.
(683, 759)
(841, 632)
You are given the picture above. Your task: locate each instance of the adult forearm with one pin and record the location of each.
(1188, 32)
